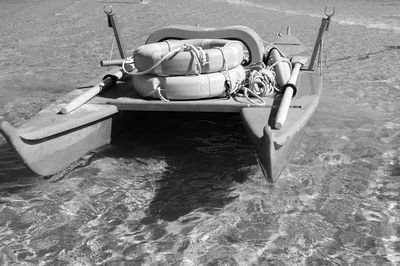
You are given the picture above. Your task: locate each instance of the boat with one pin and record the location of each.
(56, 137)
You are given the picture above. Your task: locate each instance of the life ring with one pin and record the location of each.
(187, 87)
(281, 64)
(188, 57)
(251, 40)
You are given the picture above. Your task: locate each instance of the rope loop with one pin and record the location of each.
(260, 82)
(197, 52)
(261, 79)
(199, 55)
(126, 61)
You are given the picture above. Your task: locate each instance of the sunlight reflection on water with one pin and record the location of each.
(183, 189)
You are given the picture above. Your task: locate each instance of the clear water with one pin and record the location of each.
(375, 14)
(187, 190)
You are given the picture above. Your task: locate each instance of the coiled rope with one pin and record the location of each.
(260, 82)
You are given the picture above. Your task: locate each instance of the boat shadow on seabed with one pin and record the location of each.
(188, 161)
(197, 159)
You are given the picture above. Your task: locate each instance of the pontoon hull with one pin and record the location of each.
(275, 147)
(53, 144)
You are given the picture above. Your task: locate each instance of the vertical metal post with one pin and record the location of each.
(318, 43)
(112, 22)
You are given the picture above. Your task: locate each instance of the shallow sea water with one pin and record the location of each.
(186, 189)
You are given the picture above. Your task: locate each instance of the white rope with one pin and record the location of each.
(261, 80)
(112, 48)
(166, 56)
(126, 61)
(199, 56)
(162, 98)
(197, 52)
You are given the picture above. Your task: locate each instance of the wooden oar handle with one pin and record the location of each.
(109, 81)
(289, 91)
(284, 107)
(295, 73)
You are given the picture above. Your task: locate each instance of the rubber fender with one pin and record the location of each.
(187, 87)
(282, 69)
(184, 62)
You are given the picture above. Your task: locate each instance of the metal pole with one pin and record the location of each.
(324, 27)
(318, 43)
(112, 22)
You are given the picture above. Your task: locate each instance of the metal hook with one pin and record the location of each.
(331, 14)
(108, 12)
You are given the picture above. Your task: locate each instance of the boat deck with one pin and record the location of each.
(124, 97)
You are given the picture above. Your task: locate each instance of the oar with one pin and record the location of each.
(109, 81)
(289, 91)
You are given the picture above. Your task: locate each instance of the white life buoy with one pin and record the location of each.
(188, 87)
(188, 57)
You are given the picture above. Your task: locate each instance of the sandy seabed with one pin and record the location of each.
(188, 202)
